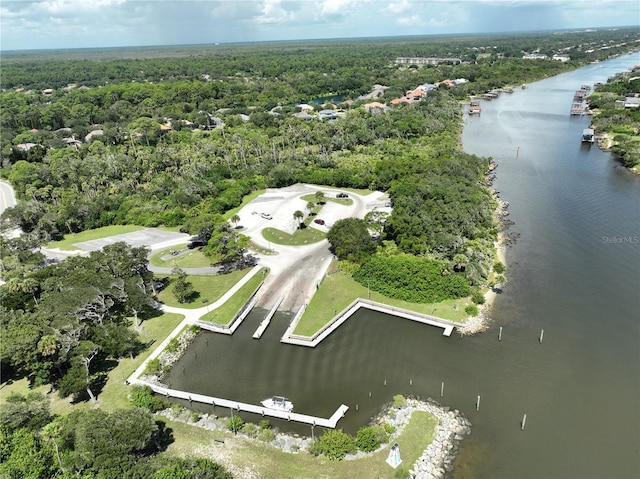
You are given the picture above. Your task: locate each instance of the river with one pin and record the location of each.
(574, 271)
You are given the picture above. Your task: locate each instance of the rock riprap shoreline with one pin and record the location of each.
(437, 459)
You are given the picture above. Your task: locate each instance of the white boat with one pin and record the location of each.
(278, 403)
(588, 135)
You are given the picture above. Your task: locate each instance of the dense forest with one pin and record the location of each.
(178, 136)
(611, 117)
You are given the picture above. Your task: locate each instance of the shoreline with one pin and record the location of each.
(435, 461)
(480, 323)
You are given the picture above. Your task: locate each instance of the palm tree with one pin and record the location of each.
(460, 262)
(235, 219)
(298, 215)
(310, 206)
(319, 197)
(48, 345)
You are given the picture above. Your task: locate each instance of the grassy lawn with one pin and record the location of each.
(70, 239)
(341, 201)
(239, 454)
(209, 288)
(192, 258)
(228, 310)
(114, 393)
(338, 290)
(298, 238)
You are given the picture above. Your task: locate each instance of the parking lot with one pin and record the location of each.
(150, 237)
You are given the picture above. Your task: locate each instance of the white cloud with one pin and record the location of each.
(65, 7)
(396, 8)
(272, 11)
(333, 8)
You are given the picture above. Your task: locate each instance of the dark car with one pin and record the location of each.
(342, 195)
(319, 221)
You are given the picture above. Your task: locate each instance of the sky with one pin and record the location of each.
(53, 24)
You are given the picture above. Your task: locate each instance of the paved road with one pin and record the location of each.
(296, 271)
(7, 200)
(7, 196)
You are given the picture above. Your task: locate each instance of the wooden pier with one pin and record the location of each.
(252, 408)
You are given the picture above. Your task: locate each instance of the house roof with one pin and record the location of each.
(374, 104)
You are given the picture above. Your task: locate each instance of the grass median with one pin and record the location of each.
(300, 237)
(191, 258)
(225, 313)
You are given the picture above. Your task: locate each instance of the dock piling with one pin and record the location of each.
(442, 389)
(410, 382)
(541, 335)
(478, 404)
(500, 334)
(524, 421)
(369, 393)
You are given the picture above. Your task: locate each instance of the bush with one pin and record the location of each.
(250, 430)
(264, 424)
(235, 423)
(173, 345)
(399, 400)
(153, 367)
(401, 473)
(368, 439)
(477, 297)
(334, 444)
(411, 278)
(471, 310)
(142, 396)
(498, 267)
(266, 435)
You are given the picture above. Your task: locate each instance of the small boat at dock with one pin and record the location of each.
(577, 109)
(588, 135)
(474, 107)
(278, 403)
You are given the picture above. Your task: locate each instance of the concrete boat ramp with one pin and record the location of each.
(252, 408)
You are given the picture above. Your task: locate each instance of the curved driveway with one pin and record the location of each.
(296, 271)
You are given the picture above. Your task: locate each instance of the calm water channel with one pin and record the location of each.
(574, 272)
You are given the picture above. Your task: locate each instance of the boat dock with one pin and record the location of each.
(330, 423)
(341, 317)
(265, 322)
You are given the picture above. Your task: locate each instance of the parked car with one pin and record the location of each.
(319, 221)
(266, 216)
(342, 195)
